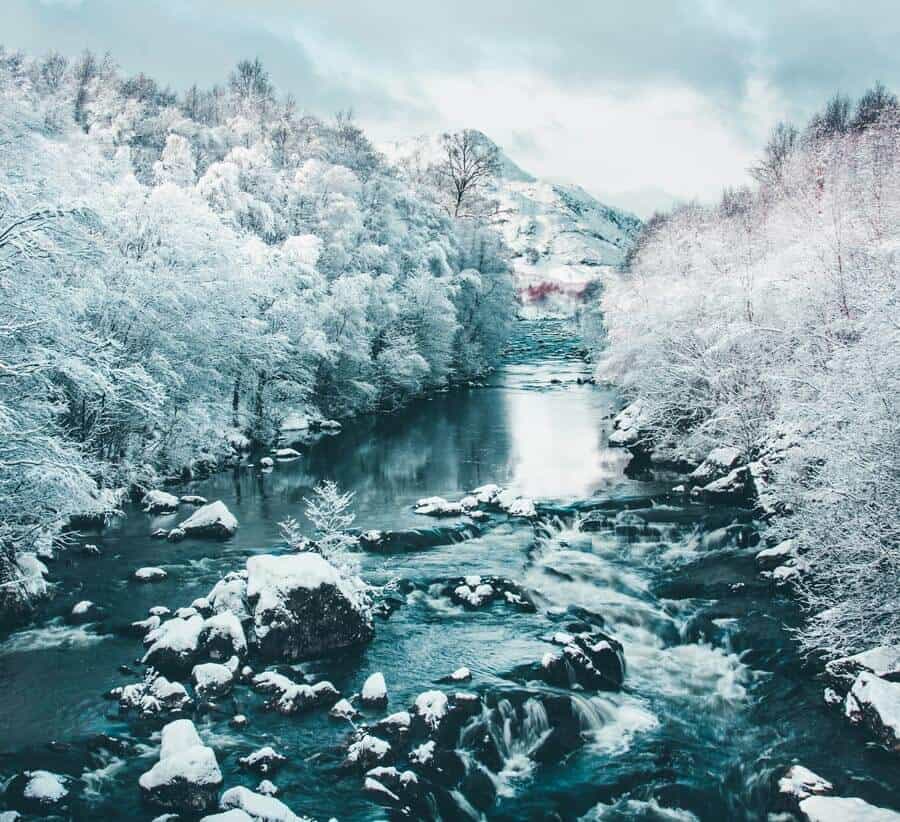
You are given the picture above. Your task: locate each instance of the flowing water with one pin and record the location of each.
(715, 705)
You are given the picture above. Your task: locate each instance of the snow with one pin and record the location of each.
(401, 719)
(160, 501)
(424, 753)
(226, 624)
(461, 674)
(182, 756)
(374, 786)
(213, 516)
(33, 572)
(374, 689)
(193, 499)
(882, 698)
(800, 782)
(269, 681)
(486, 494)
(45, 787)
(260, 807)
(432, 707)
(212, 677)
(842, 809)
(787, 549)
(267, 788)
(273, 578)
(267, 462)
(368, 747)
(437, 507)
(178, 635)
(262, 759)
(150, 574)
(82, 607)
(287, 454)
(229, 594)
(343, 710)
(234, 815)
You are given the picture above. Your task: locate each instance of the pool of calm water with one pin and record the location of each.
(715, 705)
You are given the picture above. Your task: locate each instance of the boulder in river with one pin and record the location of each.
(882, 661)
(222, 636)
(770, 558)
(263, 761)
(187, 777)
(594, 661)
(843, 809)
(875, 703)
(212, 679)
(84, 611)
(160, 502)
(303, 607)
(211, 520)
(374, 690)
(257, 806)
(174, 645)
(149, 574)
(718, 463)
(41, 791)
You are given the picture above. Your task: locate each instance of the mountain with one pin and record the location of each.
(561, 237)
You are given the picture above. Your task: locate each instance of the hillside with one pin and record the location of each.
(561, 238)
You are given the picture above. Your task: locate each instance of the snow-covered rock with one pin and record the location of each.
(437, 507)
(266, 462)
(257, 806)
(343, 710)
(883, 661)
(799, 783)
(516, 505)
(84, 611)
(187, 777)
(462, 674)
(875, 702)
(770, 558)
(267, 788)
(193, 499)
(628, 425)
(174, 645)
(222, 636)
(265, 760)
(212, 679)
(368, 751)
(374, 690)
(149, 574)
(45, 788)
(431, 707)
(290, 697)
(155, 697)
(844, 809)
(211, 520)
(718, 463)
(158, 502)
(486, 494)
(230, 594)
(591, 660)
(735, 486)
(303, 606)
(287, 454)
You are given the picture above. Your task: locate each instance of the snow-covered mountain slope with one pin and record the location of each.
(560, 236)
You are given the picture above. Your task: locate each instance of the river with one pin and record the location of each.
(715, 705)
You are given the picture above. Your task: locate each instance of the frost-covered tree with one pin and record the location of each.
(769, 323)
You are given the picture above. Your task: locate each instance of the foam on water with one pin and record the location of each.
(54, 634)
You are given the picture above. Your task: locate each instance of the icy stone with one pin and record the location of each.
(883, 661)
(424, 753)
(486, 494)
(156, 502)
(374, 690)
(287, 454)
(150, 574)
(257, 806)
(267, 788)
(211, 679)
(343, 710)
(437, 507)
(770, 558)
(187, 777)
(263, 761)
(717, 464)
(303, 606)
(374, 786)
(193, 499)
(45, 787)
(213, 520)
(431, 706)
(83, 611)
(368, 750)
(267, 462)
(844, 809)
(159, 611)
(230, 594)
(799, 783)
(222, 636)
(461, 674)
(397, 722)
(876, 703)
(174, 644)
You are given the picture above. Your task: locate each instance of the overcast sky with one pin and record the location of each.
(637, 101)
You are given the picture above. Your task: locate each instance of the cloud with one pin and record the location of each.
(617, 96)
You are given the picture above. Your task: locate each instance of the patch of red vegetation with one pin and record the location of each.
(539, 292)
